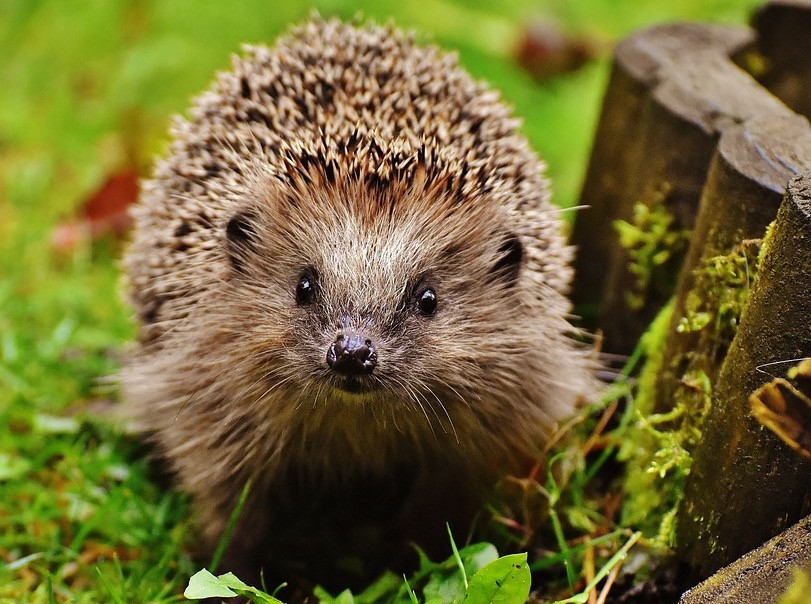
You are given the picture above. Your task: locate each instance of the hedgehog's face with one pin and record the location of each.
(404, 306)
(360, 328)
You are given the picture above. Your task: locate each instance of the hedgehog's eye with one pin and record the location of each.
(305, 289)
(426, 302)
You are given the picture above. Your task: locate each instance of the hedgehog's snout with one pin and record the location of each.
(352, 355)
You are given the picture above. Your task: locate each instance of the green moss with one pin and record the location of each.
(653, 343)
(800, 587)
(654, 244)
(654, 448)
(659, 445)
(719, 296)
(641, 488)
(765, 243)
(657, 473)
(754, 62)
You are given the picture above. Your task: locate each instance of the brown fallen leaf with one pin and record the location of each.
(544, 50)
(104, 213)
(786, 409)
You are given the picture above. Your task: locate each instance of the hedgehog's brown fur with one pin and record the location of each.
(381, 164)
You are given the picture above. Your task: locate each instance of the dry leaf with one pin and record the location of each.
(785, 409)
(104, 213)
(545, 51)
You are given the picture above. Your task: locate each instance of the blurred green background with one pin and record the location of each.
(87, 88)
(80, 76)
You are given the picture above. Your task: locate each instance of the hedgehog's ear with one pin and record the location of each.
(510, 257)
(240, 237)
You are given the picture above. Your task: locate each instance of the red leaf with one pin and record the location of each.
(545, 51)
(104, 213)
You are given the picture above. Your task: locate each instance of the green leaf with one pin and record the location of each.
(345, 597)
(324, 597)
(447, 583)
(444, 588)
(506, 580)
(205, 585)
(381, 590)
(232, 581)
(477, 556)
(253, 594)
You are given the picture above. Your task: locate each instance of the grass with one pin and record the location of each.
(88, 88)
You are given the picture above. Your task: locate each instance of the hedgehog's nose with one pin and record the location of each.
(351, 355)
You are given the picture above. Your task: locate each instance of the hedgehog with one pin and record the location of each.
(349, 281)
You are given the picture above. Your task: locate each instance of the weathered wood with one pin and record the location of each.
(673, 90)
(625, 134)
(762, 575)
(745, 186)
(784, 45)
(746, 485)
(606, 187)
(683, 123)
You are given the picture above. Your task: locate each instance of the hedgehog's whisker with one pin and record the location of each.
(394, 420)
(557, 210)
(317, 394)
(271, 388)
(461, 398)
(412, 396)
(422, 386)
(444, 409)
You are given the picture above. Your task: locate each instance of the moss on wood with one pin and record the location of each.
(745, 485)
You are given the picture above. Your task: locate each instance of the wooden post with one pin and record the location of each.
(784, 46)
(745, 186)
(745, 484)
(762, 575)
(672, 92)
